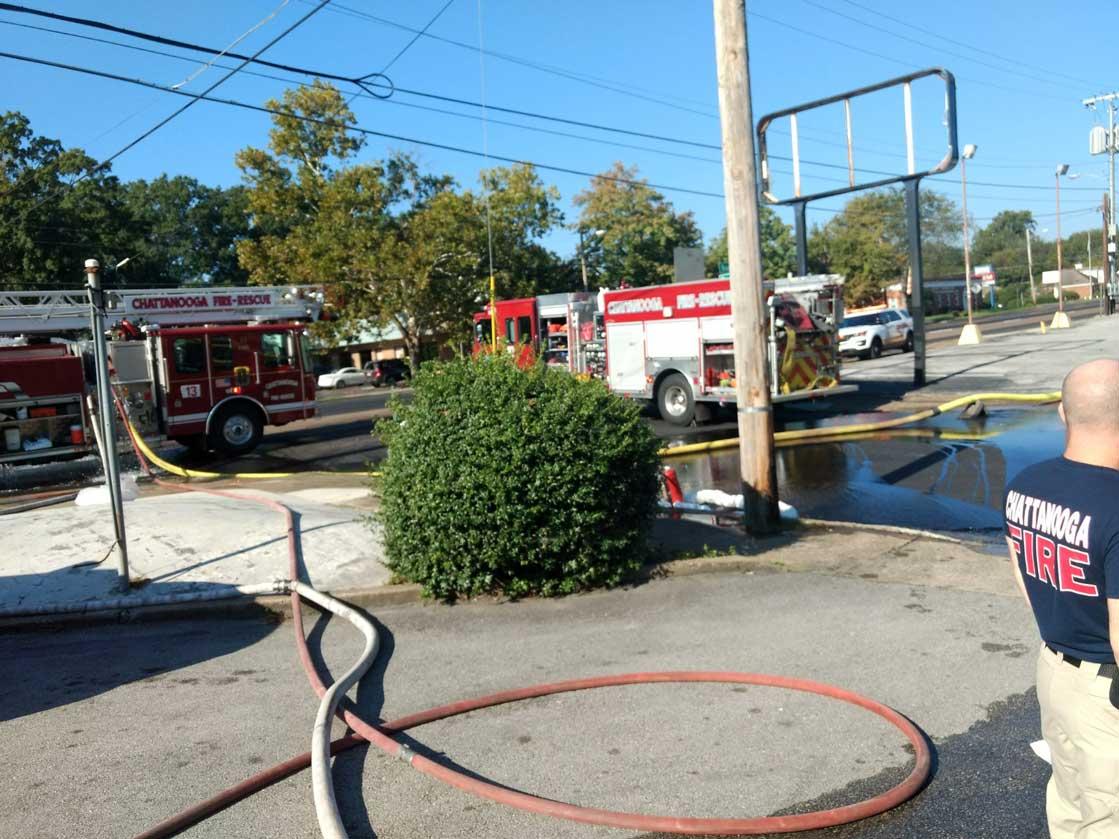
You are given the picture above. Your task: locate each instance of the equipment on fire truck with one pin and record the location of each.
(673, 344)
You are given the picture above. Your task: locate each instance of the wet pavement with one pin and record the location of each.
(945, 475)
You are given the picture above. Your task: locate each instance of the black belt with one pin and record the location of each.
(1108, 671)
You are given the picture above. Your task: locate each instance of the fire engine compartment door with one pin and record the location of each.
(625, 344)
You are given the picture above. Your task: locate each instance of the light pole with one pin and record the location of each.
(1060, 319)
(583, 254)
(1030, 263)
(970, 334)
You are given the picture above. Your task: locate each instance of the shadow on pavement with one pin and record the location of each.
(57, 667)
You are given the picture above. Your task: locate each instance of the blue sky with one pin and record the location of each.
(1022, 68)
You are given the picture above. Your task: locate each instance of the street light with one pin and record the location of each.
(1060, 319)
(970, 334)
(583, 255)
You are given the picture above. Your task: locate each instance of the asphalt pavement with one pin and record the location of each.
(114, 728)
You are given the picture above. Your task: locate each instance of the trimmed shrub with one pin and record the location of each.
(530, 481)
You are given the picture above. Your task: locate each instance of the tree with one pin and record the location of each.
(640, 228)
(779, 250)
(1002, 244)
(190, 231)
(50, 221)
(868, 242)
(395, 246)
(520, 211)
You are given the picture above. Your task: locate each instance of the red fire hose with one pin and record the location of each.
(380, 735)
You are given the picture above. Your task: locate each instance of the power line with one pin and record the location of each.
(893, 60)
(419, 34)
(349, 126)
(594, 126)
(970, 56)
(985, 49)
(210, 89)
(362, 82)
(625, 89)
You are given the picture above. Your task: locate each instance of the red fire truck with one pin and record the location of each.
(206, 368)
(673, 344)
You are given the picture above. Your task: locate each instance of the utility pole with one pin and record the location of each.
(105, 415)
(1109, 204)
(755, 411)
(1030, 262)
(1105, 285)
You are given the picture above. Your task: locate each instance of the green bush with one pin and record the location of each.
(519, 481)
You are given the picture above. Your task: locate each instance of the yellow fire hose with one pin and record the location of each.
(830, 432)
(156, 460)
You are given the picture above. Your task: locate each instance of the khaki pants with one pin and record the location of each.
(1082, 730)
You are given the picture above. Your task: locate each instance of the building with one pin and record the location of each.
(371, 344)
(1083, 282)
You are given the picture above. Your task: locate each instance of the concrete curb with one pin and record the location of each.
(278, 607)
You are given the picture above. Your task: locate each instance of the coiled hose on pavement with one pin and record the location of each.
(380, 735)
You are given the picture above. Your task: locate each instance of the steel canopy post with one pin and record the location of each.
(802, 238)
(916, 300)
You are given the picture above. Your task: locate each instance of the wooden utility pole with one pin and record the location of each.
(748, 309)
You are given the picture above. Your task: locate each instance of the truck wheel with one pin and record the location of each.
(236, 430)
(876, 348)
(675, 401)
(908, 346)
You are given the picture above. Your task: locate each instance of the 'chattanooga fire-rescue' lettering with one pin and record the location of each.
(1043, 536)
(637, 304)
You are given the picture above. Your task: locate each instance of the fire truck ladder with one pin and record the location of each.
(25, 312)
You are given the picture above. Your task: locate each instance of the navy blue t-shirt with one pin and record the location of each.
(1062, 519)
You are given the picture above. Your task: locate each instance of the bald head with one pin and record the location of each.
(1090, 397)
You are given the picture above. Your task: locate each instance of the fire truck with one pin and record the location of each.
(673, 344)
(208, 368)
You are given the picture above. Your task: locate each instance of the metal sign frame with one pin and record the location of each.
(911, 179)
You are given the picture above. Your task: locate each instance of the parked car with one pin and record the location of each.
(345, 377)
(867, 335)
(386, 372)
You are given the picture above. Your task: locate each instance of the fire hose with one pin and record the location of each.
(380, 735)
(817, 434)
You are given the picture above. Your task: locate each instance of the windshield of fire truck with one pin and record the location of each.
(482, 334)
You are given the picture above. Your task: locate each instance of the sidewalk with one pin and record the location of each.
(188, 543)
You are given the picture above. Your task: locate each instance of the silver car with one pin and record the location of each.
(345, 377)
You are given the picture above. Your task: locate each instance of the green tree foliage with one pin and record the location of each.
(48, 228)
(779, 249)
(190, 231)
(175, 231)
(640, 229)
(516, 481)
(1002, 244)
(395, 246)
(868, 242)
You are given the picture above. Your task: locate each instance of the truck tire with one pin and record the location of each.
(876, 348)
(675, 401)
(236, 429)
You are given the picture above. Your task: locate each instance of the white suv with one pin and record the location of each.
(867, 335)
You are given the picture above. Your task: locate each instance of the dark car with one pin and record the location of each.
(387, 372)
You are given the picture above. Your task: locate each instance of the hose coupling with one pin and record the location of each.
(281, 585)
(406, 754)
